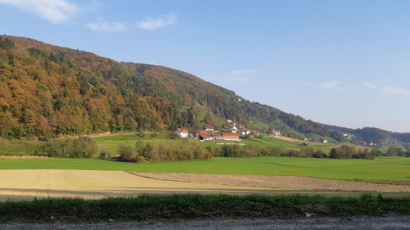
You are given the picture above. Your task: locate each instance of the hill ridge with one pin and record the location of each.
(47, 90)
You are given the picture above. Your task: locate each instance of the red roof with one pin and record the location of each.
(203, 134)
(182, 130)
(209, 127)
(230, 135)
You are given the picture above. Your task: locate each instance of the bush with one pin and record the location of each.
(342, 152)
(272, 151)
(82, 147)
(104, 155)
(127, 153)
(351, 152)
(395, 151)
(319, 154)
(186, 150)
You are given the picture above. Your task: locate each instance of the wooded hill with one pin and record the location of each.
(47, 90)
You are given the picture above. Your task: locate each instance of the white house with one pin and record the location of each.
(244, 132)
(276, 133)
(324, 141)
(181, 133)
(348, 135)
(233, 128)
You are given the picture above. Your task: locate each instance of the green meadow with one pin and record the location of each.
(379, 169)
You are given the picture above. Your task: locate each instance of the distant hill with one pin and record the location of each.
(380, 137)
(47, 90)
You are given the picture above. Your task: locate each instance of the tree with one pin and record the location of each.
(127, 153)
(6, 43)
(395, 151)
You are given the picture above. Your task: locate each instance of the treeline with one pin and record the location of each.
(256, 151)
(351, 152)
(146, 152)
(81, 147)
(343, 152)
(396, 151)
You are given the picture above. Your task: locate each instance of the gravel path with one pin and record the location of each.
(231, 224)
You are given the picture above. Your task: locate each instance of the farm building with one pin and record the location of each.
(244, 132)
(276, 133)
(324, 141)
(209, 128)
(233, 128)
(203, 135)
(230, 137)
(181, 133)
(255, 134)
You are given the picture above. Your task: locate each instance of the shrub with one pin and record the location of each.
(82, 147)
(395, 151)
(104, 155)
(319, 154)
(342, 152)
(186, 150)
(127, 153)
(351, 152)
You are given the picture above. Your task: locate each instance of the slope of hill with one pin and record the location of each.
(374, 135)
(47, 90)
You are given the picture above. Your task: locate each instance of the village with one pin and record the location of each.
(233, 131)
(230, 132)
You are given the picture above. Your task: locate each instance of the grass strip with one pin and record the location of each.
(195, 205)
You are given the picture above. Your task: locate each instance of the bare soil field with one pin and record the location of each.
(282, 182)
(90, 184)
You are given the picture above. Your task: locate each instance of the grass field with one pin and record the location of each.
(110, 143)
(379, 169)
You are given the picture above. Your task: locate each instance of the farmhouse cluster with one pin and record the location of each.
(320, 140)
(230, 132)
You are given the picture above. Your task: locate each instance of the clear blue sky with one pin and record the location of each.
(336, 62)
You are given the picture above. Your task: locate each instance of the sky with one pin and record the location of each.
(343, 63)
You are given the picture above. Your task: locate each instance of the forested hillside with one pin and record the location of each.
(374, 135)
(47, 90)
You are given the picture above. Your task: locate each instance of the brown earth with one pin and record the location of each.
(281, 182)
(90, 184)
